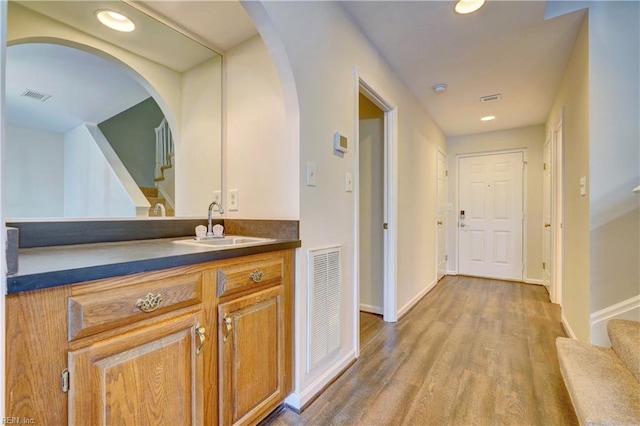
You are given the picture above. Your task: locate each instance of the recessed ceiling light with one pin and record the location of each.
(115, 21)
(488, 118)
(464, 7)
(439, 88)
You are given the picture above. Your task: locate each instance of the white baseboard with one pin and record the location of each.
(627, 309)
(533, 281)
(452, 272)
(298, 399)
(568, 328)
(416, 299)
(371, 308)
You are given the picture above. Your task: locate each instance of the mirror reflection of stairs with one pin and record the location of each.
(154, 198)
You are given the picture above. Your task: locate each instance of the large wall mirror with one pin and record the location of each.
(106, 124)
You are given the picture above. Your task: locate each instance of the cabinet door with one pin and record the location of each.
(251, 363)
(149, 376)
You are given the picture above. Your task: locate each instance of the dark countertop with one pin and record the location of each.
(53, 266)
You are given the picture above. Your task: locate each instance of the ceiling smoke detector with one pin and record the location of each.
(439, 88)
(491, 98)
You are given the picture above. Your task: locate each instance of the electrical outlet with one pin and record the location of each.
(233, 200)
(217, 196)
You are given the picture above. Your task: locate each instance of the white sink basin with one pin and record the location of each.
(224, 242)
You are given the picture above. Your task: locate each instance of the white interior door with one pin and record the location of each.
(490, 216)
(441, 215)
(546, 214)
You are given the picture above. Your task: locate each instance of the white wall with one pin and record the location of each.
(34, 160)
(614, 152)
(199, 150)
(531, 139)
(573, 96)
(323, 46)
(91, 188)
(261, 161)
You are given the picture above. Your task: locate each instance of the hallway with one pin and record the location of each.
(473, 351)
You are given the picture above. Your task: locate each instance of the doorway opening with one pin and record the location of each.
(375, 205)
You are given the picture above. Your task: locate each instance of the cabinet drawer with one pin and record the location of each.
(95, 312)
(236, 278)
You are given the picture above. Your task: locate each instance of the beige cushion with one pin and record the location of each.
(602, 389)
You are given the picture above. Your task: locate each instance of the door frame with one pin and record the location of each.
(557, 209)
(446, 214)
(365, 85)
(524, 201)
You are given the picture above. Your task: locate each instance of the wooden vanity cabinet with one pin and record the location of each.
(254, 339)
(89, 353)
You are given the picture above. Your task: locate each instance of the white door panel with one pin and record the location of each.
(490, 229)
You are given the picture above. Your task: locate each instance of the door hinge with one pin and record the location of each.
(524, 164)
(65, 380)
(385, 226)
(544, 166)
(446, 257)
(544, 266)
(446, 172)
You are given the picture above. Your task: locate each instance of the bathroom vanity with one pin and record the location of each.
(205, 342)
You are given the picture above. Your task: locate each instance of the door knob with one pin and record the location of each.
(547, 225)
(439, 222)
(462, 225)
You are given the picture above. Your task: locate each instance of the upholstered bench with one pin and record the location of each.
(604, 383)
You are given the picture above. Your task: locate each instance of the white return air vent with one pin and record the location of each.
(36, 96)
(491, 98)
(325, 272)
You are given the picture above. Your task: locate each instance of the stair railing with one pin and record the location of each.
(164, 148)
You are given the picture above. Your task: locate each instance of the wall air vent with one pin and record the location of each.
(37, 96)
(491, 98)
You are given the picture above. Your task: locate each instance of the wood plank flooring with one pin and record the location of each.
(472, 352)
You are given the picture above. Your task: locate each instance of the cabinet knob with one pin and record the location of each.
(227, 322)
(200, 332)
(256, 276)
(150, 302)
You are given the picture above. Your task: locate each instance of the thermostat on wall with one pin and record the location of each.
(340, 142)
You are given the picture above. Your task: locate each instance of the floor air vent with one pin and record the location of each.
(325, 272)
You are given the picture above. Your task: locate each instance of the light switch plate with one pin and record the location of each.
(311, 174)
(348, 182)
(217, 196)
(233, 200)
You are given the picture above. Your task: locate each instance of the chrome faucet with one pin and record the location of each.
(209, 224)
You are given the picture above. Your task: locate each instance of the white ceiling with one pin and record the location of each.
(91, 92)
(506, 47)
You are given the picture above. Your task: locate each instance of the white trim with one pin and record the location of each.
(406, 308)
(446, 215)
(297, 400)
(452, 272)
(533, 281)
(525, 170)
(567, 327)
(371, 309)
(627, 309)
(166, 197)
(557, 210)
(3, 51)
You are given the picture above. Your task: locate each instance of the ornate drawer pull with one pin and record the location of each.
(256, 276)
(150, 302)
